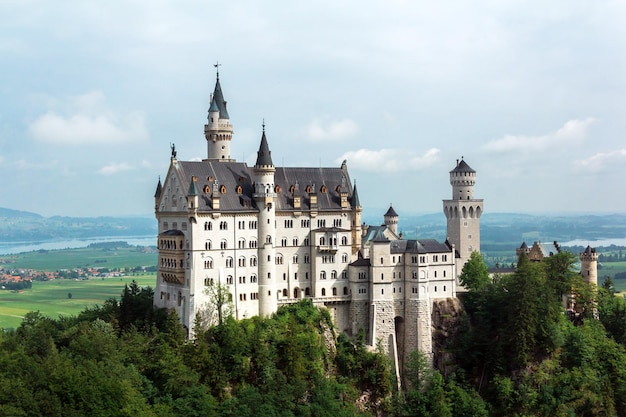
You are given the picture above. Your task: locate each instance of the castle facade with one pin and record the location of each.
(261, 236)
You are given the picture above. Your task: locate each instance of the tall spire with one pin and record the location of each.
(264, 156)
(218, 131)
(218, 97)
(355, 197)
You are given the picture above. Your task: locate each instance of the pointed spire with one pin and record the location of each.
(159, 189)
(355, 197)
(193, 191)
(218, 97)
(264, 156)
(391, 212)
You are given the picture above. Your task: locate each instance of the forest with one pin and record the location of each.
(516, 351)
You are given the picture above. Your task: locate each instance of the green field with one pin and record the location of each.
(51, 297)
(54, 260)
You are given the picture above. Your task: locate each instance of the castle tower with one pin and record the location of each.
(391, 220)
(265, 196)
(356, 221)
(218, 131)
(589, 265)
(463, 213)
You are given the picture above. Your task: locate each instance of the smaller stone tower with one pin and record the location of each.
(218, 131)
(589, 265)
(265, 196)
(463, 213)
(391, 220)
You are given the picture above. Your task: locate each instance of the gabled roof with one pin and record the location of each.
(323, 182)
(419, 246)
(461, 166)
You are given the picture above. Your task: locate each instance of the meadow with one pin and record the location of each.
(55, 260)
(52, 298)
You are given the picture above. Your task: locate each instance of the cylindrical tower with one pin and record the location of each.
(589, 265)
(218, 131)
(391, 220)
(265, 197)
(463, 213)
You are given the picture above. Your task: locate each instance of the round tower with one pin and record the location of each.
(218, 131)
(589, 265)
(391, 220)
(463, 213)
(265, 198)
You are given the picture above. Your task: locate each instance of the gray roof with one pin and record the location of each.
(419, 246)
(462, 167)
(391, 212)
(218, 99)
(355, 197)
(264, 155)
(159, 189)
(325, 182)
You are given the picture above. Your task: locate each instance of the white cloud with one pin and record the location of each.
(389, 160)
(572, 132)
(319, 130)
(114, 168)
(602, 161)
(88, 120)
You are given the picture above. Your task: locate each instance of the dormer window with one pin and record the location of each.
(308, 189)
(223, 189)
(239, 189)
(277, 189)
(323, 189)
(207, 189)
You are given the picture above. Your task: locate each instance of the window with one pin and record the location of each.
(252, 224)
(323, 275)
(207, 245)
(305, 223)
(229, 280)
(241, 224)
(268, 239)
(229, 262)
(344, 240)
(362, 275)
(323, 292)
(306, 241)
(253, 261)
(242, 280)
(334, 291)
(344, 258)
(208, 226)
(252, 244)
(223, 244)
(321, 222)
(337, 222)
(322, 241)
(208, 264)
(435, 258)
(223, 225)
(344, 274)
(295, 241)
(283, 242)
(307, 259)
(444, 258)
(241, 261)
(253, 279)
(288, 223)
(345, 290)
(279, 259)
(241, 244)
(295, 259)
(333, 275)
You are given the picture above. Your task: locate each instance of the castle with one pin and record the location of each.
(274, 235)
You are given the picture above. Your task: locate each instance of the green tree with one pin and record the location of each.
(475, 273)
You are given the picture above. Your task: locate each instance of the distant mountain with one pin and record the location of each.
(23, 226)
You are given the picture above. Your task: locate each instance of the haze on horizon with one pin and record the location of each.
(532, 95)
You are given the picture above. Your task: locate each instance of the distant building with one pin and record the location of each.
(274, 235)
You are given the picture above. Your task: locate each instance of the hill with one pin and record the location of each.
(22, 226)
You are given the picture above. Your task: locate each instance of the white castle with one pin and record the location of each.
(275, 235)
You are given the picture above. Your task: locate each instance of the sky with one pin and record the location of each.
(532, 95)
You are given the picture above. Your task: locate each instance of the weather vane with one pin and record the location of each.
(217, 68)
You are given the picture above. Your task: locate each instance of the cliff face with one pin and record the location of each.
(446, 316)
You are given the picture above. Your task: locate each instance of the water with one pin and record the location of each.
(19, 247)
(595, 243)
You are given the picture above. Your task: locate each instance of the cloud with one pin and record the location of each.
(321, 131)
(88, 120)
(389, 160)
(603, 161)
(572, 132)
(114, 168)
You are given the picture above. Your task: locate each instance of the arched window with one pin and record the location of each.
(208, 245)
(345, 290)
(334, 291)
(344, 240)
(323, 292)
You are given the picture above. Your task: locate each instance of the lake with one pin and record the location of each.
(7, 248)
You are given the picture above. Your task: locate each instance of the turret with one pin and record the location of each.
(218, 131)
(589, 265)
(265, 197)
(157, 194)
(462, 179)
(391, 220)
(192, 196)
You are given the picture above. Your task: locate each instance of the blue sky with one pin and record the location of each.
(532, 94)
